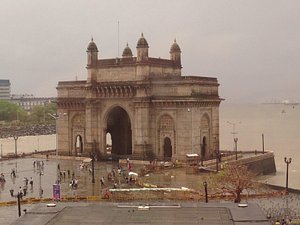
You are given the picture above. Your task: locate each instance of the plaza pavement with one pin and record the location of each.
(24, 168)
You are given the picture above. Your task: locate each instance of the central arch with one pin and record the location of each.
(119, 127)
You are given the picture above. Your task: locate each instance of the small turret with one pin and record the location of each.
(142, 49)
(92, 53)
(127, 53)
(175, 53)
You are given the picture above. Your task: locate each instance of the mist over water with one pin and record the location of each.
(279, 123)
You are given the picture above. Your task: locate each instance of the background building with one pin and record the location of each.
(144, 104)
(4, 89)
(27, 102)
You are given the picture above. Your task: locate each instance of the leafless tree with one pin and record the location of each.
(234, 179)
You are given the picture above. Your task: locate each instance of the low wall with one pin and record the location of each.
(261, 164)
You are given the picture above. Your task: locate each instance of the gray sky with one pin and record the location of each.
(251, 46)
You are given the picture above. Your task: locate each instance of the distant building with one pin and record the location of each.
(4, 89)
(27, 102)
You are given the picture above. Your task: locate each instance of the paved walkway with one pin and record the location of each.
(24, 168)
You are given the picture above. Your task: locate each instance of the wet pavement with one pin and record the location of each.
(25, 169)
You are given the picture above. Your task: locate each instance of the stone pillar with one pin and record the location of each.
(62, 142)
(141, 126)
(215, 141)
(92, 130)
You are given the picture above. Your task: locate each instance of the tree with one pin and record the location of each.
(10, 111)
(39, 114)
(234, 179)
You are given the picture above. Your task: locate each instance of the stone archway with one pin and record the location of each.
(119, 127)
(78, 145)
(166, 136)
(167, 148)
(205, 136)
(203, 147)
(78, 134)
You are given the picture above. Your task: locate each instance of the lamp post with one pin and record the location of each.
(56, 117)
(234, 133)
(18, 196)
(263, 143)
(191, 110)
(236, 148)
(16, 146)
(93, 161)
(205, 190)
(287, 161)
(40, 180)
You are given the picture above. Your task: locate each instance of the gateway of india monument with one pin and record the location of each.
(144, 104)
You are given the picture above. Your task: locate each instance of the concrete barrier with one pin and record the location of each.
(11, 202)
(259, 164)
(81, 198)
(93, 198)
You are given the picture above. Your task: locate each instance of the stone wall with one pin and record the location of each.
(261, 164)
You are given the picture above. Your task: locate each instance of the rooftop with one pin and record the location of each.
(144, 213)
(4, 82)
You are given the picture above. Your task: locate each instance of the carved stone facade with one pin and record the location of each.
(144, 103)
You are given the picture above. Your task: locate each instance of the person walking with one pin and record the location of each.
(20, 192)
(2, 178)
(102, 182)
(25, 181)
(13, 173)
(31, 182)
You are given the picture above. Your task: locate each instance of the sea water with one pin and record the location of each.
(280, 125)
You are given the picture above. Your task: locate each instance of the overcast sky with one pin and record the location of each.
(251, 46)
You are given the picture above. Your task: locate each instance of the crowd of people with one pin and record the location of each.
(38, 167)
(119, 176)
(22, 190)
(282, 222)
